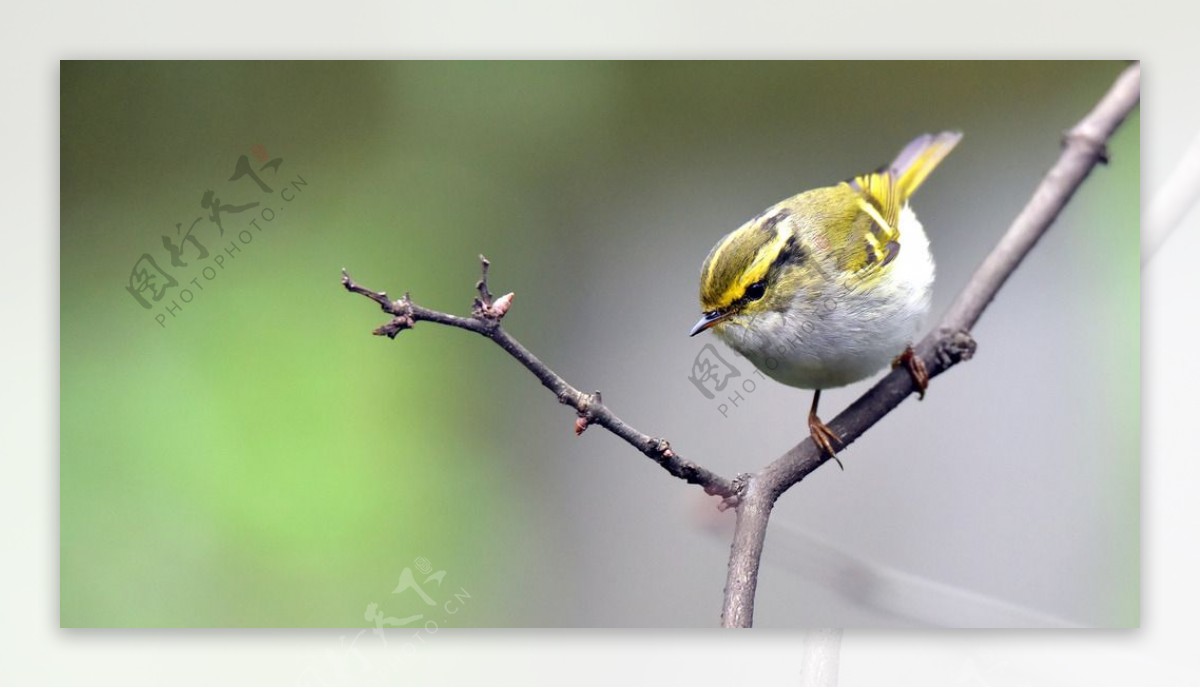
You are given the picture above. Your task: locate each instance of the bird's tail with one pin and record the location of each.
(919, 158)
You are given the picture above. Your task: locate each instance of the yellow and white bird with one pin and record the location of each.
(831, 285)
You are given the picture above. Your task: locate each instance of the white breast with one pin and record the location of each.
(848, 334)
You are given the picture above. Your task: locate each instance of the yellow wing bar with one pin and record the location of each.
(885, 191)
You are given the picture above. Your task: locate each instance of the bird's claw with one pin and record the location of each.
(916, 369)
(824, 438)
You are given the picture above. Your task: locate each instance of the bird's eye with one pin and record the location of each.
(755, 291)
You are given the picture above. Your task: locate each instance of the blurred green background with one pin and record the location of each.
(257, 458)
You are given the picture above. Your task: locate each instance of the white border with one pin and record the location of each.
(32, 648)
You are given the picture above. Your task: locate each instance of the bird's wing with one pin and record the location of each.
(882, 194)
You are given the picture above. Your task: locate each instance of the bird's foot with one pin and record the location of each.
(824, 438)
(916, 368)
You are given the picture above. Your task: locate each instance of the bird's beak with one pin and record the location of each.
(706, 321)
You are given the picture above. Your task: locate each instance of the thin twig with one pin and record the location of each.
(589, 409)
(1084, 147)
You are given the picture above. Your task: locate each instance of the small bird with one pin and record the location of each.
(829, 286)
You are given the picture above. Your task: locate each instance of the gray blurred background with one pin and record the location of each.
(265, 461)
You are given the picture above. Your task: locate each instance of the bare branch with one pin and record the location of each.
(1084, 147)
(485, 320)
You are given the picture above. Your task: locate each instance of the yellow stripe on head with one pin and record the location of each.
(742, 258)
